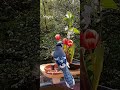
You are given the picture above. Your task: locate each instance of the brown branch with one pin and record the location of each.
(45, 14)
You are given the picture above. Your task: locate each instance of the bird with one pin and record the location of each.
(60, 58)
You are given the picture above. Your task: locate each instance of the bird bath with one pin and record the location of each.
(55, 73)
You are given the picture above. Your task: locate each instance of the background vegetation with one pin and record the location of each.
(52, 13)
(108, 27)
(19, 43)
(110, 34)
(109, 30)
(20, 38)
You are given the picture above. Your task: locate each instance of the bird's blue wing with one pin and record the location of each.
(62, 63)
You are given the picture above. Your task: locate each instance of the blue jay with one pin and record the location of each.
(62, 63)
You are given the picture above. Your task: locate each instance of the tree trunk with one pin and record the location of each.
(45, 14)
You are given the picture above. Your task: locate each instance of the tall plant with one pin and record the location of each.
(68, 44)
(91, 41)
(71, 30)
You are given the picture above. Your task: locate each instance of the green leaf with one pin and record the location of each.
(64, 47)
(69, 18)
(90, 74)
(71, 52)
(76, 31)
(90, 67)
(65, 19)
(108, 4)
(69, 15)
(97, 65)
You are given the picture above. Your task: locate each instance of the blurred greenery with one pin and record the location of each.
(52, 14)
(20, 22)
(110, 35)
(108, 28)
(19, 43)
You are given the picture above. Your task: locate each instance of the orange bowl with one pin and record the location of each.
(48, 69)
